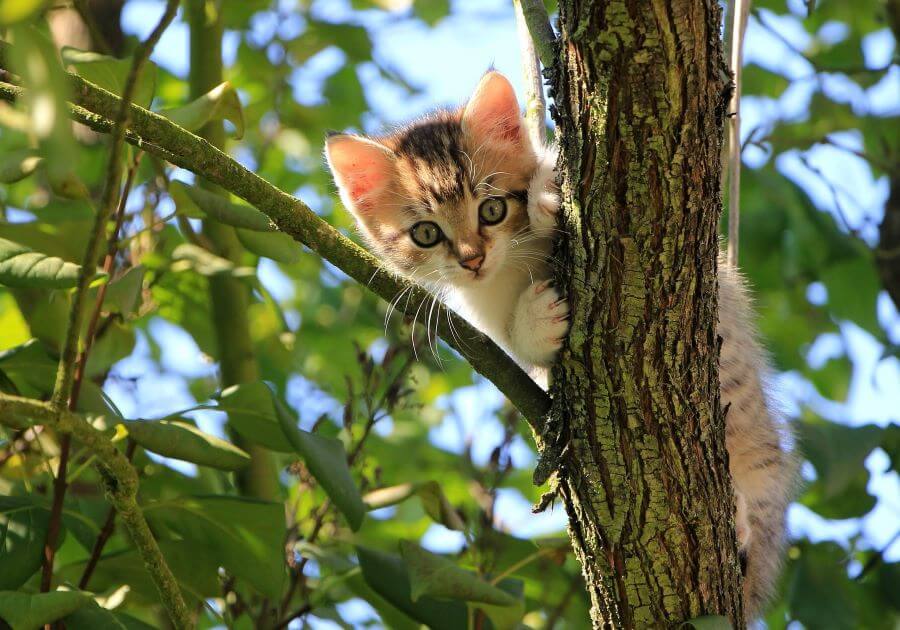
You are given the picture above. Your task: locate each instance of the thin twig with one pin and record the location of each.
(738, 27)
(535, 105)
(877, 557)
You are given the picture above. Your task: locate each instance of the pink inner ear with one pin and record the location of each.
(493, 110)
(362, 168)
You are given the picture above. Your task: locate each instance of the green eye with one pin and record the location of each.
(426, 234)
(492, 210)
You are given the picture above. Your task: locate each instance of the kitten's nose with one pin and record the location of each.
(473, 263)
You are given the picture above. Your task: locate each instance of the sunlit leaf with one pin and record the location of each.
(184, 441)
(388, 576)
(327, 461)
(17, 165)
(275, 245)
(220, 103)
(111, 74)
(22, 267)
(23, 529)
(12, 11)
(437, 576)
(26, 611)
(219, 208)
(243, 535)
(432, 497)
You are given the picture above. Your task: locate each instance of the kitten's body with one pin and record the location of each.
(450, 173)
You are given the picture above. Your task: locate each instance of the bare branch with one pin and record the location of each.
(738, 10)
(535, 106)
(535, 14)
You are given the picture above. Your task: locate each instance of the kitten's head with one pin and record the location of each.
(442, 199)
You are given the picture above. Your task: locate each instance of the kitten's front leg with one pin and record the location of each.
(540, 322)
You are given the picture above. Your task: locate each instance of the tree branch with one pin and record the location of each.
(121, 483)
(535, 105)
(535, 14)
(738, 10)
(159, 136)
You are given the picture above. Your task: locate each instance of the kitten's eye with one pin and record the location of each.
(426, 234)
(492, 210)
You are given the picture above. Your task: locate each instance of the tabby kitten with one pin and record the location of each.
(462, 203)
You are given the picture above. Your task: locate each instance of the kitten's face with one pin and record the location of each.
(442, 200)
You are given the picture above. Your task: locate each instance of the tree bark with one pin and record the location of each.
(641, 95)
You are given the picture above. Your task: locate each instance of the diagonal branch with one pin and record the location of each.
(159, 136)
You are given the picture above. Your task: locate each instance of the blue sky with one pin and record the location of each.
(446, 62)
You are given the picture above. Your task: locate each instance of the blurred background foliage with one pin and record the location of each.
(392, 422)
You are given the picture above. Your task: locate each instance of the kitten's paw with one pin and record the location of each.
(543, 195)
(540, 324)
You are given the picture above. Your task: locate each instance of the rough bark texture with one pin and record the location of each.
(641, 94)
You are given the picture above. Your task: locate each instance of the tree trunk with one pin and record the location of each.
(641, 94)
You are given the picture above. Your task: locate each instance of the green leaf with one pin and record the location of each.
(220, 103)
(708, 622)
(194, 566)
(275, 245)
(111, 74)
(432, 11)
(26, 611)
(23, 529)
(95, 617)
(17, 165)
(244, 535)
(853, 288)
(434, 502)
(820, 569)
(326, 459)
(438, 576)
(219, 208)
(189, 256)
(184, 441)
(123, 295)
(252, 414)
(387, 575)
(22, 267)
(12, 11)
(837, 452)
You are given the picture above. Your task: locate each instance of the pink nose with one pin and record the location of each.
(473, 263)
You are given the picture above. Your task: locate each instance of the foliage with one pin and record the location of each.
(348, 404)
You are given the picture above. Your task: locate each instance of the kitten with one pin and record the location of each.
(463, 204)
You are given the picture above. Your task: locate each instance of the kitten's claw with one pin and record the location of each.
(540, 324)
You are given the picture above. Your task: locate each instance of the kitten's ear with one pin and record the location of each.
(493, 111)
(362, 169)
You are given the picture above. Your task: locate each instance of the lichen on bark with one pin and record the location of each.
(640, 96)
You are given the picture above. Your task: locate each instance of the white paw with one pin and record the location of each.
(742, 522)
(542, 211)
(543, 194)
(540, 324)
